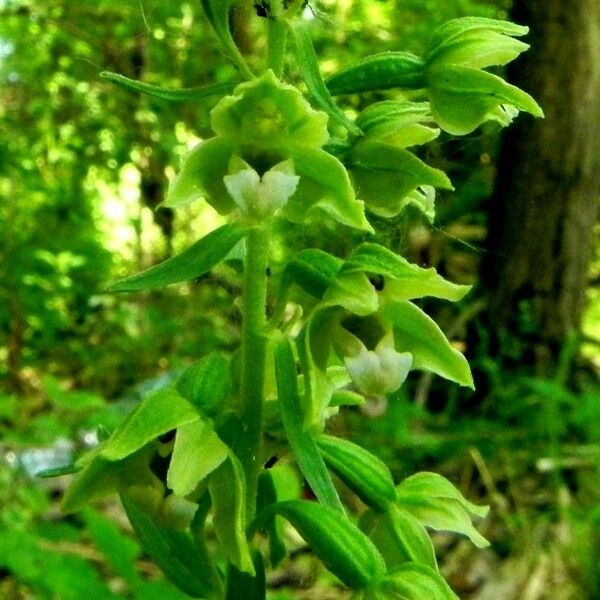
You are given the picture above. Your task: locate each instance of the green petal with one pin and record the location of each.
(324, 183)
(201, 176)
(462, 98)
(268, 114)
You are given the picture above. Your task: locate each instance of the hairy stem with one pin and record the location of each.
(254, 344)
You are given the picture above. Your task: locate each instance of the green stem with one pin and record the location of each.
(276, 45)
(254, 346)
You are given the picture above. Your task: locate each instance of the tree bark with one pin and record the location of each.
(547, 190)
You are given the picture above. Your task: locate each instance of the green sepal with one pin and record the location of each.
(172, 550)
(207, 384)
(462, 98)
(354, 292)
(246, 586)
(160, 412)
(101, 478)
(400, 124)
(402, 280)
(436, 503)
(413, 581)
(385, 175)
(311, 269)
(197, 452)
(217, 13)
(399, 537)
(476, 42)
(379, 72)
(266, 496)
(181, 95)
(193, 262)
(307, 61)
(227, 489)
(301, 440)
(365, 474)
(417, 333)
(324, 183)
(342, 547)
(201, 176)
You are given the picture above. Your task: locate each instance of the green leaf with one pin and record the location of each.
(307, 61)
(462, 98)
(267, 496)
(384, 175)
(201, 176)
(160, 412)
(415, 582)
(433, 500)
(379, 72)
(300, 439)
(343, 548)
(324, 183)
(173, 551)
(197, 452)
(182, 95)
(403, 280)
(398, 123)
(399, 537)
(418, 334)
(194, 261)
(217, 12)
(207, 383)
(365, 474)
(228, 492)
(245, 586)
(476, 42)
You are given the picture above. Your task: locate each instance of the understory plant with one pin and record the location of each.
(195, 463)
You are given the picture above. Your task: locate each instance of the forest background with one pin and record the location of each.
(83, 167)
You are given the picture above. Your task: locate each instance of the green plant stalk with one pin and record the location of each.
(278, 30)
(254, 346)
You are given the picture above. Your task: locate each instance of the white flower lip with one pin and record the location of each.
(260, 198)
(381, 371)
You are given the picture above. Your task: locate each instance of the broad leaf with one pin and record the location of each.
(197, 452)
(433, 500)
(300, 439)
(402, 280)
(324, 183)
(173, 551)
(307, 61)
(379, 72)
(193, 262)
(418, 334)
(343, 548)
(182, 95)
(227, 489)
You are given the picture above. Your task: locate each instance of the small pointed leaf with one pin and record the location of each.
(309, 67)
(413, 581)
(193, 262)
(182, 95)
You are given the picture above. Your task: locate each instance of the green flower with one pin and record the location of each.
(462, 95)
(266, 123)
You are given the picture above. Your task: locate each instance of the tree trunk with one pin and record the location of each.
(545, 203)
